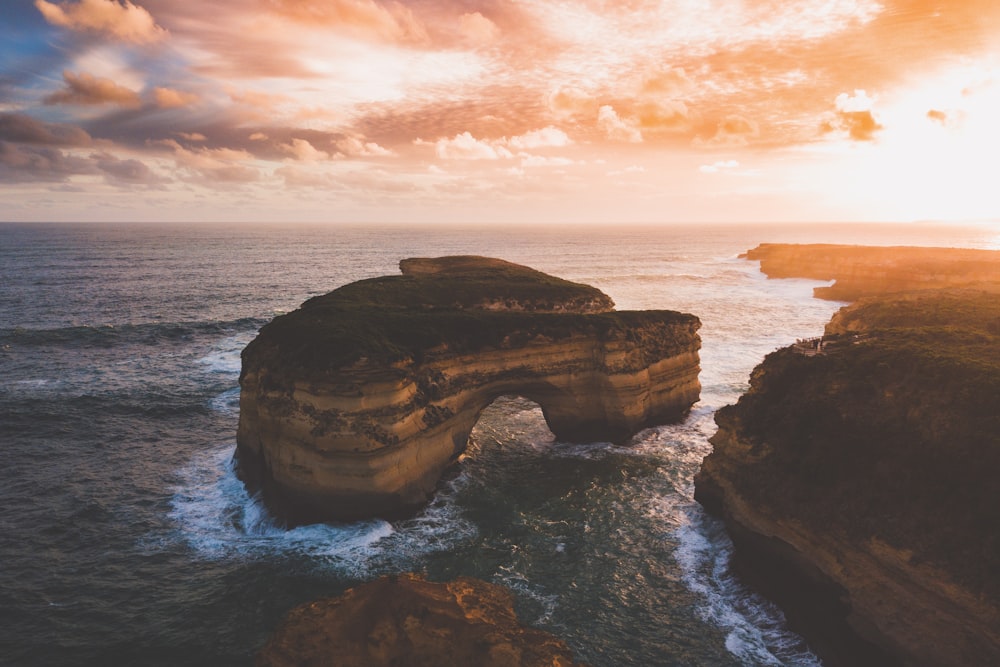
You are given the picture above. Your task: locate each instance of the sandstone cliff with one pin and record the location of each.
(405, 620)
(353, 405)
(859, 485)
(867, 270)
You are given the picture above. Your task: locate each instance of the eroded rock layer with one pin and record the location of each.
(859, 484)
(353, 405)
(867, 270)
(405, 620)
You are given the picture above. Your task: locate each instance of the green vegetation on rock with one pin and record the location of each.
(892, 435)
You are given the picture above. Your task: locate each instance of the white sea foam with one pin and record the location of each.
(224, 355)
(227, 402)
(218, 518)
(756, 631)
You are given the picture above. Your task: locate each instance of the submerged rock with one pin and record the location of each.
(405, 620)
(354, 405)
(859, 484)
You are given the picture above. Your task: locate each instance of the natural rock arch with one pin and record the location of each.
(355, 404)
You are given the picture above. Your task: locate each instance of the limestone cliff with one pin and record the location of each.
(859, 485)
(353, 405)
(405, 620)
(867, 270)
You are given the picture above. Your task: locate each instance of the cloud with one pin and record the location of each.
(668, 82)
(301, 178)
(125, 172)
(121, 20)
(192, 136)
(938, 116)
(854, 116)
(258, 136)
(567, 102)
(478, 30)
(544, 138)
(219, 165)
(23, 129)
(303, 151)
(717, 167)
(466, 147)
(357, 147)
(617, 128)
(364, 18)
(86, 89)
(732, 131)
(663, 116)
(27, 163)
(168, 98)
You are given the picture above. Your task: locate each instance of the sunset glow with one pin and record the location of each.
(481, 110)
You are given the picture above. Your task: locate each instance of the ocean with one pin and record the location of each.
(125, 538)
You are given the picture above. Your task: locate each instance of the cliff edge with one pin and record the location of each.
(859, 483)
(868, 270)
(353, 405)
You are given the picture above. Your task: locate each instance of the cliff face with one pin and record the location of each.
(404, 620)
(355, 404)
(865, 270)
(860, 488)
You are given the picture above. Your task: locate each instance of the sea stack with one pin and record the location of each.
(353, 405)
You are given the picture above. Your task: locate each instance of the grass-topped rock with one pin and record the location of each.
(354, 404)
(860, 483)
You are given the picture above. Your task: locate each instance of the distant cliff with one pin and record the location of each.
(868, 270)
(405, 620)
(860, 484)
(353, 405)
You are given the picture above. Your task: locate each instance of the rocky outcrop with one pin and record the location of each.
(405, 620)
(859, 484)
(868, 270)
(353, 405)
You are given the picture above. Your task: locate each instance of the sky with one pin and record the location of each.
(528, 111)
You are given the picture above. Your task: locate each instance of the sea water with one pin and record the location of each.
(126, 539)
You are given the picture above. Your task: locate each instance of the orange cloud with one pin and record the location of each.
(938, 116)
(361, 17)
(168, 98)
(477, 29)
(121, 20)
(303, 151)
(615, 127)
(219, 165)
(854, 116)
(86, 89)
(732, 131)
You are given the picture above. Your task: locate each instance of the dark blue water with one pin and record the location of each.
(126, 539)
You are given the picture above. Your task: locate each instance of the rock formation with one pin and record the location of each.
(859, 484)
(867, 270)
(405, 620)
(353, 405)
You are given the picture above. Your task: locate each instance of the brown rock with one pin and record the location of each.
(405, 620)
(859, 486)
(868, 270)
(354, 405)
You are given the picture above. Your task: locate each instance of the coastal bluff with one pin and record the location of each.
(861, 271)
(858, 483)
(406, 620)
(355, 404)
